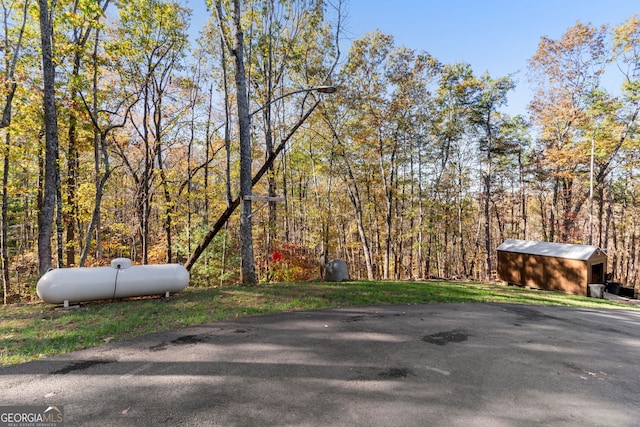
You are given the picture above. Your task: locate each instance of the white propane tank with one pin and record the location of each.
(120, 280)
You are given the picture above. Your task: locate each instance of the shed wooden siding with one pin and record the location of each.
(554, 270)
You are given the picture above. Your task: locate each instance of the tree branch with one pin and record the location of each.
(224, 217)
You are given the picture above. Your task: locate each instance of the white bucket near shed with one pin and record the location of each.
(596, 290)
(120, 280)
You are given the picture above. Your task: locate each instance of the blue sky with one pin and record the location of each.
(498, 36)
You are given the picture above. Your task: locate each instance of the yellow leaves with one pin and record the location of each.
(575, 61)
(368, 52)
(563, 160)
(573, 41)
(85, 195)
(74, 20)
(626, 37)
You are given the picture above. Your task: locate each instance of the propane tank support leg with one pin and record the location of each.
(66, 306)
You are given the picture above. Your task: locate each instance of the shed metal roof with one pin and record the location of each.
(558, 250)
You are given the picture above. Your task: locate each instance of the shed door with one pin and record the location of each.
(597, 273)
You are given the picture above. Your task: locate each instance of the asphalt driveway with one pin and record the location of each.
(419, 365)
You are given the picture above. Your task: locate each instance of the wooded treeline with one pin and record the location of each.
(411, 169)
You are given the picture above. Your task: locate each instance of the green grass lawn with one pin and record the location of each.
(33, 331)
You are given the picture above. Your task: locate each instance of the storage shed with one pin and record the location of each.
(562, 267)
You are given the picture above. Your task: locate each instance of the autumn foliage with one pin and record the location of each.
(412, 169)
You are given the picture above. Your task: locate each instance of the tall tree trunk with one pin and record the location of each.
(523, 197)
(72, 183)
(354, 196)
(167, 204)
(552, 211)
(10, 86)
(487, 219)
(487, 206)
(601, 195)
(59, 225)
(47, 210)
(271, 178)
(192, 126)
(246, 228)
(366, 249)
(4, 251)
(227, 121)
(70, 216)
(100, 182)
(568, 219)
(388, 184)
(145, 203)
(159, 137)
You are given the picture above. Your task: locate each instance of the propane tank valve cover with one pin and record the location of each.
(121, 263)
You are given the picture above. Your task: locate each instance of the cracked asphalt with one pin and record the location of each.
(417, 365)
